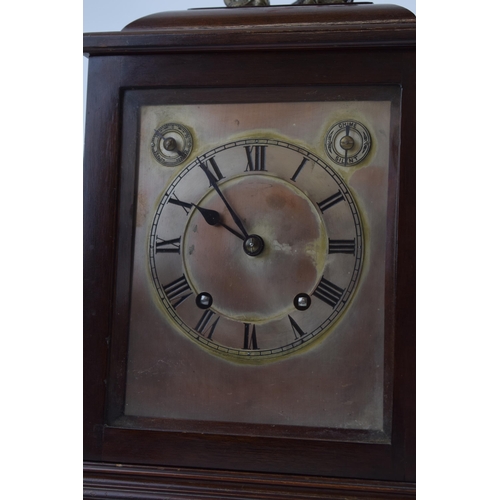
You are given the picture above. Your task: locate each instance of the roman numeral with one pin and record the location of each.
(202, 325)
(328, 292)
(250, 341)
(256, 156)
(297, 172)
(329, 202)
(215, 168)
(176, 291)
(298, 332)
(175, 201)
(341, 246)
(168, 246)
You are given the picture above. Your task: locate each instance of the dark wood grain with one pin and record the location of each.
(290, 28)
(305, 48)
(101, 167)
(119, 481)
(405, 367)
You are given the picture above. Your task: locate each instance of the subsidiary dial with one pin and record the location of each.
(348, 143)
(171, 144)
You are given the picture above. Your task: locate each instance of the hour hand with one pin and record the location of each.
(213, 218)
(213, 183)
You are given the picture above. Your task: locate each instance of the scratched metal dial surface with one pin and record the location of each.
(323, 366)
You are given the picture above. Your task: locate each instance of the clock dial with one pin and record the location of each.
(255, 249)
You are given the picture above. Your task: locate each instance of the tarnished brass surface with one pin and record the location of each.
(347, 142)
(255, 294)
(320, 2)
(264, 3)
(246, 3)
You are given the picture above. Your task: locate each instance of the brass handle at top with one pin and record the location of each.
(317, 2)
(246, 3)
(266, 3)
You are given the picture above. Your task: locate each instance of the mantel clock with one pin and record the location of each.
(249, 254)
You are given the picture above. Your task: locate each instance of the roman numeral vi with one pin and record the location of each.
(250, 341)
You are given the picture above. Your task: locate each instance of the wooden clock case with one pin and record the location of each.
(273, 47)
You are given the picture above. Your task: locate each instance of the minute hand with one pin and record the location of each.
(213, 183)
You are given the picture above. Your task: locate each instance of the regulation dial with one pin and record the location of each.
(348, 143)
(171, 144)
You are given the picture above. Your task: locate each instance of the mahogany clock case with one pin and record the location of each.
(289, 54)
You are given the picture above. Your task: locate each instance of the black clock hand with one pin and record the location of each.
(213, 183)
(170, 144)
(213, 219)
(347, 135)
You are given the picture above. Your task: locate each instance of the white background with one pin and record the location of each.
(41, 242)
